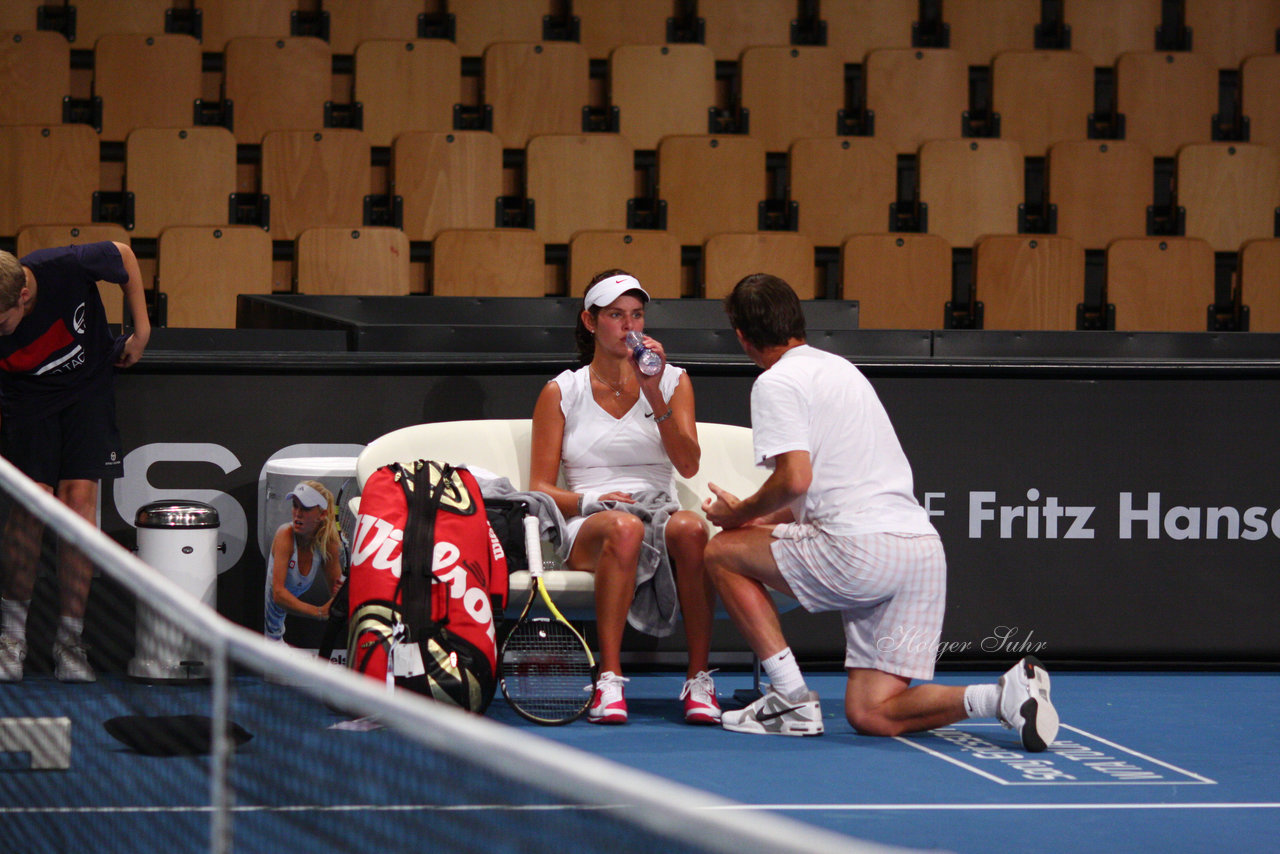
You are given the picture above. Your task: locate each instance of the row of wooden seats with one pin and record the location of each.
(1168, 99)
(1228, 30)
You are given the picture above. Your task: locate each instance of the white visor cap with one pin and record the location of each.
(605, 291)
(308, 496)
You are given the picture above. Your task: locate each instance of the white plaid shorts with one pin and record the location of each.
(890, 589)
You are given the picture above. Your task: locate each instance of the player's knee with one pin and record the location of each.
(81, 498)
(623, 533)
(686, 529)
(869, 721)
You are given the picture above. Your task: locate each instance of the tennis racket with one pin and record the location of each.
(545, 665)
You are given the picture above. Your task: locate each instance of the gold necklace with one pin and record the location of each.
(617, 392)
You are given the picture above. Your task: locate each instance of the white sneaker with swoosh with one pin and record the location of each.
(774, 714)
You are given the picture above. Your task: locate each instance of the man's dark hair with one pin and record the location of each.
(765, 310)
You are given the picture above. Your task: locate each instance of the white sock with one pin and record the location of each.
(785, 674)
(70, 629)
(13, 618)
(982, 701)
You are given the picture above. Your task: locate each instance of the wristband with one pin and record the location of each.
(659, 419)
(588, 503)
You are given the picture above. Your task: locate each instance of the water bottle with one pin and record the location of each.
(649, 361)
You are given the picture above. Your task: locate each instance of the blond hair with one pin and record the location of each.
(13, 278)
(327, 533)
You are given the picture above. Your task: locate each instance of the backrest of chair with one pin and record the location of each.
(728, 461)
(254, 69)
(1042, 96)
(791, 92)
(446, 180)
(1230, 191)
(1260, 97)
(1260, 283)
(855, 27)
(727, 258)
(734, 25)
(1168, 99)
(202, 269)
(608, 24)
(1160, 284)
(535, 88)
(661, 89)
(223, 20)
(916, 94)
(179, 177)
(493, 262)
(18, 15)
(315, 178)
(711, 184)
(1104, 29)
(352, 22)
(1102, 189)
(97, 18)
(407, 85)
(480, 23)
(901, 281)
(33, 237)
(653, 257)
(980, 29)
(369, 261)
(1229, 32)
(842, 186)
(49, 172)
(1028, 281)
(126, 67)
(579, 181)
(972, 187)
(35, 75)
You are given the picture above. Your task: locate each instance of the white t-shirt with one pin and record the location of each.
(812, 400)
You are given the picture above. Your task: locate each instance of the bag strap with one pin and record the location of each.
(417, 552)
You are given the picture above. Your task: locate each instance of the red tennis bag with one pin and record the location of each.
(427, 574)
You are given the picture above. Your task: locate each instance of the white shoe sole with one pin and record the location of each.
(1040, 718)
(736, 722)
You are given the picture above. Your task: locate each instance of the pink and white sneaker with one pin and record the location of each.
(608, 706)
(699, 695)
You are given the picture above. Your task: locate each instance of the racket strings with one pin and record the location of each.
(545, 668)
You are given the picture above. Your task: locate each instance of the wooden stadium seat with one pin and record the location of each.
(352, 22)
(1160, 284)
(1260, 97)
(901, 281)
(661, 89)
(315, 178)
(856, 27)
(35, 75)
(125, 70)
(480, 23)
(224, 20)
(577, 182)
(608, 24)
(179, 177)
(711, 184)
(734, 25)
(201, 270)
(446, 180)
(1260, 284)
(256, 65)
(49, 174)
(535, 88)
(792, 92)
(728, 258)
(361, 261)
(491, 262)
(842, 185)
(653, 257)
(1042, 96)
(1231, 31)
(1102, 189)
(407, 85)
(1104, 29)
(20, 15)
(34, 237)
(982, 28)
(917, 94)
(1027, 281)
(1168, 99)
(97, 18)
(1230, 191)
(972, 187)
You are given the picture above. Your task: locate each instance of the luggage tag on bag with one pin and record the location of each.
(406, 660)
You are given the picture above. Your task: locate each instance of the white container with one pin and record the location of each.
(179, 539)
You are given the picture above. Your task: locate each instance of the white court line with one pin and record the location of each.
(962, 807)
(1108, 743)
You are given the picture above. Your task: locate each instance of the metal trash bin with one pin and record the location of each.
(180, 540)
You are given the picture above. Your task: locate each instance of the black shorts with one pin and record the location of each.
(78, 442)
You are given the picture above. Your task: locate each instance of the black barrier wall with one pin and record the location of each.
(1089, 512)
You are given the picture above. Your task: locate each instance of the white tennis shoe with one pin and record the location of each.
(774, 714)
(699, 695)
(71, 662)
(608, 706)
(1025, 706)
(12, 653)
